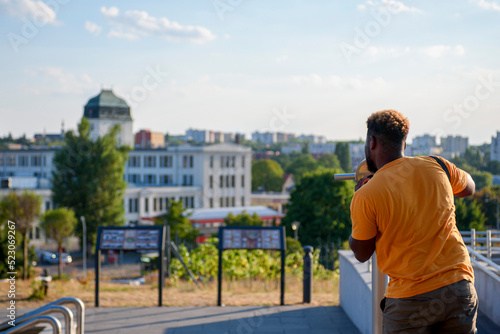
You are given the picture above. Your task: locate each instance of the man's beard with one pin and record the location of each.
(372, 167)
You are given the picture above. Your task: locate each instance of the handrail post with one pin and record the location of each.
(488, 244)
(473, 240)
(379, 282)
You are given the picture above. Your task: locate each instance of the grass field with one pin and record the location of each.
(235, 293)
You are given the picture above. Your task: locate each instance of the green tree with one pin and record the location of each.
(330, 161)
(343, 154)
(482, 179)
(322, 206)
(268, 174)
(301, 164)
(243, 219)
(88, 178)
(59, 224)
(469, 215)
(178, 220)
(22, 209)
(493, 167)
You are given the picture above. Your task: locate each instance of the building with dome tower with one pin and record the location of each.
(107, 110)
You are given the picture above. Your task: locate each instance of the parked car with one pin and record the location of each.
(43, 256)
(54, 258)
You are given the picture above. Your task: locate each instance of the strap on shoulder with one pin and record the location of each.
(443, 166)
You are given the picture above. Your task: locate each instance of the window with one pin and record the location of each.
(242, 201)
(37, 232)
(161, 203)
(36, 160)
(221, 161)
(211, 161)
(227, 181)
(167, 202)
(133, 204)
(233, 161)
(11, 160)
(211, 202)
(243, 181)
(155, 204)
(166, 161)
(227, 161)
(146, 205)
(221, 181)
(150, 179)
(233, 178)
(166, 179)
(243, 161)
(47, 205)
(1, 160)
(211, 181)
(187, 161)
(134, 178)
(187, 180)
(44, 160)
(134, 161)
(23, 161)
(227, 201)
(149, 161)
(221, 202)
(233, 201)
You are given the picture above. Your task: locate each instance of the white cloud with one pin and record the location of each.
(281, 59)
(133, 23)
(377, 51)
(438, 51)
(392, 6)
(93, 28)
(488, 5)
(32, 10)
(56, 80)
(337, 82)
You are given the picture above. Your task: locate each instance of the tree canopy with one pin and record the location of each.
(322, 206)
(267, 174)
(178, 220)
(88, 178)
(243, 219)
(59, 224)
(343, 154)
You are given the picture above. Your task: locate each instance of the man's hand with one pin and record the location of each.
(362, 182)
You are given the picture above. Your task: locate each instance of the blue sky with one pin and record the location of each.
(238, 65)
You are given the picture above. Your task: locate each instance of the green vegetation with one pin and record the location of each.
(59, 224)
(267, 174)
(88, 178)
(243, 219)
(344, 156)
(321, 205)
(178, 220)
(22, 209)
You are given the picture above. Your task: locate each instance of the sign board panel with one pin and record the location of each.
(130, 239)
(251, 239)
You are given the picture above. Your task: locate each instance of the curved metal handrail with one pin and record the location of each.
(21, 328)
(45, 310)
(80, 307)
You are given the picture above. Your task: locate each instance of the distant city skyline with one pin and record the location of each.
(306, 67)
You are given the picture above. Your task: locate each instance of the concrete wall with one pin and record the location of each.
(487, 292)
(355, 291)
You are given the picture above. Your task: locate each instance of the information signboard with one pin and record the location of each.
(252, 237)
(130, 238)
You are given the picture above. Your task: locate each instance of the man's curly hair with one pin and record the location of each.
(389, 126)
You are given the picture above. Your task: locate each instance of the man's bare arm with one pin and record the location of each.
(363, 249)
(469, 188)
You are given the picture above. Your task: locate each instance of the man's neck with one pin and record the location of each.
(384, 160)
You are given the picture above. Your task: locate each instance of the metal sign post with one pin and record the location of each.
(130, 238)
(252, 237)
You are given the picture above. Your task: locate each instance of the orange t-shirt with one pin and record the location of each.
(408, 204)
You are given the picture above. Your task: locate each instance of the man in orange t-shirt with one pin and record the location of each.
(406, 213)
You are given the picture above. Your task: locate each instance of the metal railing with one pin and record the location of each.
(485, 264)
(71, 327)
(486, 238)
(22, 328)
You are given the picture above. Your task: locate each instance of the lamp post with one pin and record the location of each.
(295, 228)
(84, 227)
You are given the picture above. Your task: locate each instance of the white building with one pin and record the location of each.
(454, 146)
(320, 149)
(495, 147)
(107, 110)
(424, 145)
(291, 148)
(313, 139)
(267, 138)
(357, 152)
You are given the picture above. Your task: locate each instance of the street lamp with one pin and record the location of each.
(295, 228)
(84, 227)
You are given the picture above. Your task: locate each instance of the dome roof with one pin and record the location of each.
(107, 105)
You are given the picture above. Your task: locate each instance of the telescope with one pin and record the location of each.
(361, 173)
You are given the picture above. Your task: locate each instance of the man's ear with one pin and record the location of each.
(373, 142)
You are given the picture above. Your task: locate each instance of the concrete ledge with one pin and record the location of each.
(355, 288)
(487, 292)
